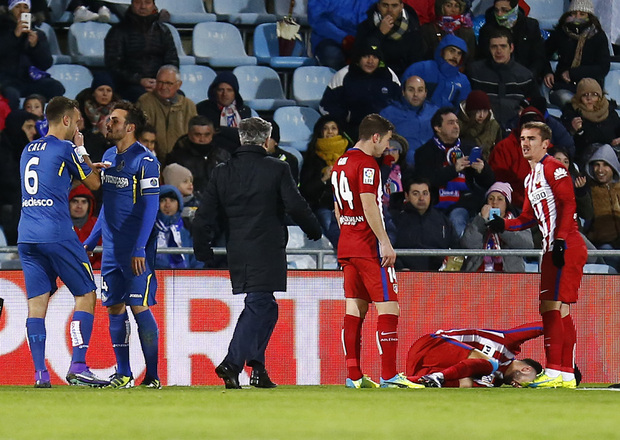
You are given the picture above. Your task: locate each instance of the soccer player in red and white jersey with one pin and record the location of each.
(550, 201)
(366, 254)
(473, 357)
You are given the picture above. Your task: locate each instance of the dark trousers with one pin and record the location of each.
(253, 331)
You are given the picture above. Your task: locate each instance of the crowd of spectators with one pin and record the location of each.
(452, 93)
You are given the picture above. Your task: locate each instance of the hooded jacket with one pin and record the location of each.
(445, 84)
(210, 108)
(84, 232)
(605, 227)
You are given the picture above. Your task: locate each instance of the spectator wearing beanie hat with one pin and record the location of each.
(529, 47)
(224, 105)
(478, 126)
(181, 178)
(478, 236)
(365, 86)
(582, 51)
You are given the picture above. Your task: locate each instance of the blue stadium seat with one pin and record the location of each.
(219, 45)
(186, 11)
(309, 84)
(86, 42)
(547, 12)
(300, 10)
(75, 78)
(267, 51)
(261, 88)
(249, 12)
(196, 81)
(58, 11)
(57, 55)
(296, 125)
(612, 85)
(183, 57)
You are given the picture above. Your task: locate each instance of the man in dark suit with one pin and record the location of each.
(247, 197)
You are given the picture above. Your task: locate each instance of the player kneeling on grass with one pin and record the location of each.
(465, 358)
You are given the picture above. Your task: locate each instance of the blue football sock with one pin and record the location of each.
(35, 327)
(81, 329)
(149, 339)
(119, 333)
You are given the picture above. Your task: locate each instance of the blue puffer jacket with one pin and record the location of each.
(335, 19)
(445, 84)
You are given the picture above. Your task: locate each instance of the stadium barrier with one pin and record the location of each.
(197, 313)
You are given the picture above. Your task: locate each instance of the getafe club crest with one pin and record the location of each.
(120, 166)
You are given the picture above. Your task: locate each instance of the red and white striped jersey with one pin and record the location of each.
(551, 202)
(356, 172)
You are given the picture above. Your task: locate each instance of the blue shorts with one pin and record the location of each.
(120, 285)
(44, 262)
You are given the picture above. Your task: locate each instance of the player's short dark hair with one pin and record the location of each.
(534, 364)
(415, 180)
(437, 118)
(134, 116)
(543, 129)
(58, 107)
(372, 124)
(199, 121)
(501, 32)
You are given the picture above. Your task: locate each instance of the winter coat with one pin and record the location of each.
(527, 39)
(413, 123)
(445, 84)
(397, 54)
(247, 197)
(210, 108)
(474, 238)
(137, 47)
(484, 135)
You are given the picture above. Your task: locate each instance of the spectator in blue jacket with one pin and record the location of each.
(411, 115)
(334, 26)
(446, 85)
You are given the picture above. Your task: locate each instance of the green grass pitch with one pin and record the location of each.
(307, 412)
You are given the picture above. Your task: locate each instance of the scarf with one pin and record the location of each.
(451, 193)
(598, 114)
(330, 149)
(400, 25)
(97, 113)
(229, 116)
(452, 23)
(577, 29)
(492, 241)
(509, 19)
(168, 236)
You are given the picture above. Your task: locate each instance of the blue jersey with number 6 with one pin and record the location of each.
(47, 167)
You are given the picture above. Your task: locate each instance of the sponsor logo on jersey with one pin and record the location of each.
(342, 160)
(119, 182)
(538, 194)
(135, 295)
(369, 176)
(351, 220)
(32, 202)
(559, 173)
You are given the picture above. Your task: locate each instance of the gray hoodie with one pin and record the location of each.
(607, 154)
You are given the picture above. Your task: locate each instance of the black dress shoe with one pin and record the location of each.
(260, 379)
(230, 378)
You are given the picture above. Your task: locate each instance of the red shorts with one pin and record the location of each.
(432, 353)
(563, 284)
(364, 278)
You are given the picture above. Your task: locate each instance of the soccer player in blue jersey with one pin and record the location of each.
(48, 247)
(130, 202)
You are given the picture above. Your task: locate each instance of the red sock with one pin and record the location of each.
(553, 332)
(568, 348)
(351, 342)
(387, 339)
(468, 368)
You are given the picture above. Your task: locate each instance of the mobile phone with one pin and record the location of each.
(494, 212)
(475, 154)
(27, 18)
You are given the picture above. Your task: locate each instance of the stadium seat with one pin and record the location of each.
(183, 57)
(248, 12)
(300, 10)
(57, 55)
(261, 88)
(58, 11)
(296, 125)
(267, 51)
(599, 268)
(547, 12)
(309, 84)
(220, 45)
(295, 152)
(196, 81)
(73, 77)
(186, 11)
(612, 84)
(86, 43)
